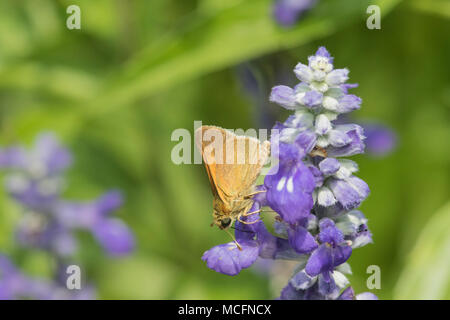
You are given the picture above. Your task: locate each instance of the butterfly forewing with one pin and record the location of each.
(232, 162)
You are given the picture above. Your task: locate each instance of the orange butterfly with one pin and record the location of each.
(233, 164)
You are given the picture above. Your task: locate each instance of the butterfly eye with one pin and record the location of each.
(225, 222)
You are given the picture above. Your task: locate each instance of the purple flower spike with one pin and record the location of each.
(311, 188)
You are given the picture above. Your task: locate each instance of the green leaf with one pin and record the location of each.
(438, 7)
(427, 270)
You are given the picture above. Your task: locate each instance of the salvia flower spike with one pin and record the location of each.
(313, 189)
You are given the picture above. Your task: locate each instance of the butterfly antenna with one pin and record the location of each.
(234, 239)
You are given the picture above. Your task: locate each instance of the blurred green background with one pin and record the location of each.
(116, 89)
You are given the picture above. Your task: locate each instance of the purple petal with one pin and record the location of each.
(302, 281)
(65, 244)
(284, 96)
(359, 185)
(327, 286)
(228, 259)
(337, 77)
(109, 202)
(287, 12)
(29, 193)
(329, 166)
(329, 233)
(78, 214)
(345, 87)
(48, 149)
(317, 174)
(6, 266)
(303, 72)
(289, 191)
(301, 240)
(347, 294)
(350, 192)
(380, 140)
(312, 98)
(338, 138)
(341, 254)
(14, 157)
(114, 236)
(290, 293)
(356, 145)
(325, 197)
(272, 247)
(320, 261)
(291, 152)
(306, 140)
(323, 52)
(348, 103)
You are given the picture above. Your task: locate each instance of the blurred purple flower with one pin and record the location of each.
(35, 176)
(35, 179)
(114, 236)
(380, 140)
(288, 12)
(15, 285)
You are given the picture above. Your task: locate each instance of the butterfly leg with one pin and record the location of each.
(253, 193)
(247, 222)
(250, 213)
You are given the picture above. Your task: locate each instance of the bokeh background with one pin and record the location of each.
(115, 90)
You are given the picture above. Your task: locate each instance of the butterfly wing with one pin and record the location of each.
(232, 162)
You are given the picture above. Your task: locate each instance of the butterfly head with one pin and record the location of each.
(224, 223)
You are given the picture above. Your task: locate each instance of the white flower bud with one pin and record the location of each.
(330, 103)
(322, 124)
